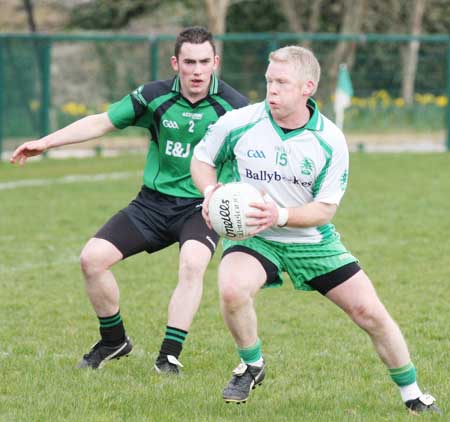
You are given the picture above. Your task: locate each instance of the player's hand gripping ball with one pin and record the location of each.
(228, 207)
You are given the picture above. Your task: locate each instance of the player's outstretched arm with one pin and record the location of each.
(88, 127)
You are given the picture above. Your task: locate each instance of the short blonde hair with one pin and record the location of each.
(304, 61)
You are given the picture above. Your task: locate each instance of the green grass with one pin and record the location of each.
(395, 218)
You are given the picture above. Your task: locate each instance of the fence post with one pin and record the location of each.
(154, 53)
(273, 44)
(447, 120)
(2, 93)
(46, 88)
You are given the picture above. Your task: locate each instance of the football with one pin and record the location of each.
(228, 207)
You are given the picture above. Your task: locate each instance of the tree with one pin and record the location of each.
(28, 6)
(291, 11)
(296, 11)
(110, 14)
(410, 55)
(352, 21)
(216, 11)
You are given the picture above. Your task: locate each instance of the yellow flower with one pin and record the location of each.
(386, 102)
(441, 101)
(399, 102)
(424, 99)
(35, 105)
(359, 102)
(75, 109)
(383, 95)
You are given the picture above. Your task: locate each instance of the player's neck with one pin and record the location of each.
(194, 98)
(295, 120)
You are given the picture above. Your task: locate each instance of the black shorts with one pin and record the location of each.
(154, 221)
(323, 283)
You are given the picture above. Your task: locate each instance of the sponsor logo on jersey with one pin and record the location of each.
(176, 149)
(263, 175)
(193, 116)
(296, 181)
(274, 176)
(254, 153)
(171, 124)
(304, 183)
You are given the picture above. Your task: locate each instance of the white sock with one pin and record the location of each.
(259, 363)
(410, 392)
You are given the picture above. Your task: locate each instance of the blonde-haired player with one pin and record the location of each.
(285, 147)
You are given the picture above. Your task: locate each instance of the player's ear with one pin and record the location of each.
(308, 88)
(216, 62)
(174, 63)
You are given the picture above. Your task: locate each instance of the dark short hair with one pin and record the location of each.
(193, 35)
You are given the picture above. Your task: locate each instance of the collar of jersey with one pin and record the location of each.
(315, 123)
(213, 85)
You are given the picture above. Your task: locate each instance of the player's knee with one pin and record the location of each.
(192, 270)
(92, 261)
(232, 293)
(369, 316)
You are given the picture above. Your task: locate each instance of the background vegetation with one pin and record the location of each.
(87, 76)
(412, 17)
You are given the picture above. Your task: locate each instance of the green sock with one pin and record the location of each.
(173, 342)
(405, 375)
(112, 330)
(251, 354)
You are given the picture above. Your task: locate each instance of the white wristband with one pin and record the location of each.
(283, 215)
(208, 189)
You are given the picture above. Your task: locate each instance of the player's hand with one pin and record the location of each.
(263, 215)
(26, 150)
(205, 203)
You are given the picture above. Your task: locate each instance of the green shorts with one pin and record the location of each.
(303, 262)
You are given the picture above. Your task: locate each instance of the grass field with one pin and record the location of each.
(395, 218)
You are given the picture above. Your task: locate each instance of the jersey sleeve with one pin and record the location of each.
(214, 149)
(234, 98)
(332, 181)
(131, 110)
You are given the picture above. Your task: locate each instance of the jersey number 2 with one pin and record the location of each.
(191, 126)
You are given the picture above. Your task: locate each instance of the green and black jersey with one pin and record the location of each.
(176, 126)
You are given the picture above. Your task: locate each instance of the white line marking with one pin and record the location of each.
(71, 178)
(58, 262)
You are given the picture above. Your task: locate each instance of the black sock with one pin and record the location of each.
(173, 342)
(112, 330)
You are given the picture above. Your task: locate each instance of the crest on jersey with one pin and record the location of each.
(307, 166)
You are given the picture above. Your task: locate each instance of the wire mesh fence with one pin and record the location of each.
(47, 81)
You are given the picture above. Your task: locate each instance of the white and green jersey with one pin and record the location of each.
(295, 168)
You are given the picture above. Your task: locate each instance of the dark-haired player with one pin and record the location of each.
(177, 113)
